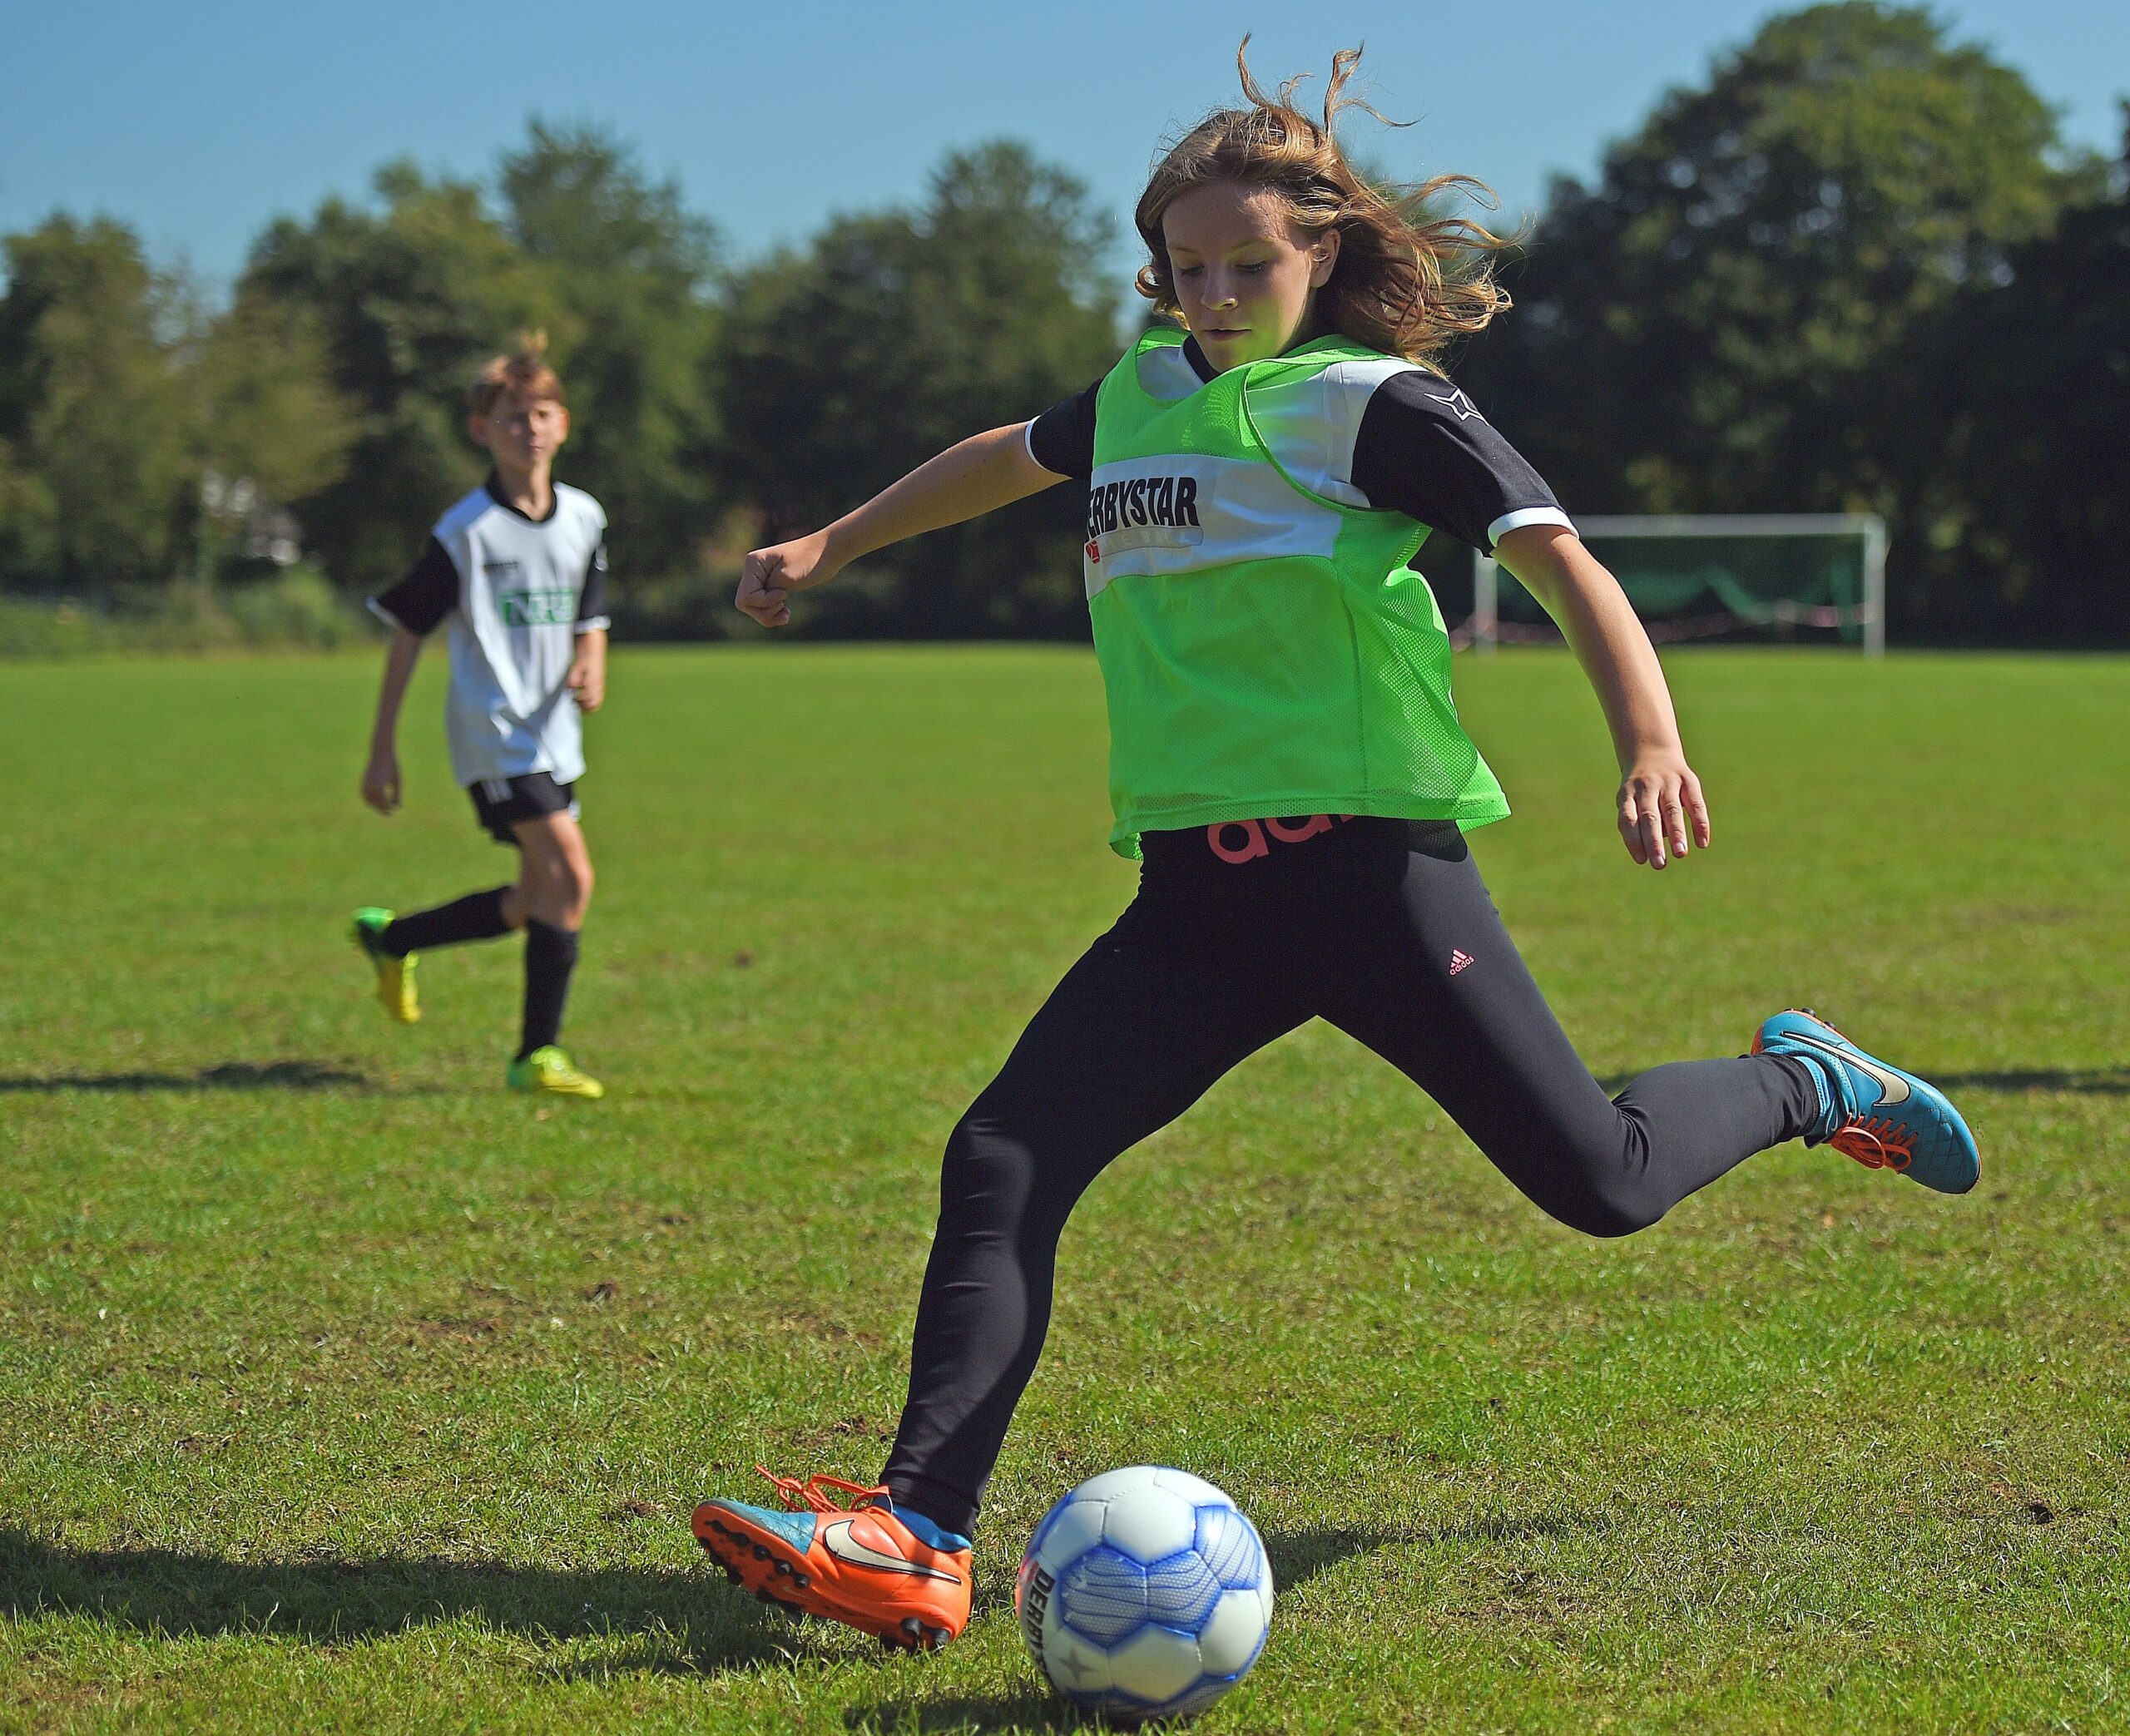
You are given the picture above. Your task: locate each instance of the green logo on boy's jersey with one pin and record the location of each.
(536, 608)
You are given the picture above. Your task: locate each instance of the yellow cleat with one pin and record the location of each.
(550, 1070)
(395, 977)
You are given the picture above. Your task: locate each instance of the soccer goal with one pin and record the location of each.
(1699, 576)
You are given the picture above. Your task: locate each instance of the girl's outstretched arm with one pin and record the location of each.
(980, 475)
(1659, 793)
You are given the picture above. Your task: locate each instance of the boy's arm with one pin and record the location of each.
(1658, 789)
(413, 608)
(587, 668)
(381, 776)
(587, 663)
(980, 475)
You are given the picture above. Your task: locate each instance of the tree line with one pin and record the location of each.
(1855, 268)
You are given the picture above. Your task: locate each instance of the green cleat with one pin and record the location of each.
(550, 1070)
(395, 977)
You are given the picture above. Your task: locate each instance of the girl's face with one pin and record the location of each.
(1245, 276)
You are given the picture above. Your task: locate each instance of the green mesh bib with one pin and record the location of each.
(1265, 649)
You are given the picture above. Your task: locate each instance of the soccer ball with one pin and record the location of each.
(1145, 1594)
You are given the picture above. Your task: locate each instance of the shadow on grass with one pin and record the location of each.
(1028, 1709)
(2091, 1081)
(685, 1623)
(1297, 1557)
(235, 1075)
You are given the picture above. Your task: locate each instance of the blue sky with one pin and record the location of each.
(198, 124)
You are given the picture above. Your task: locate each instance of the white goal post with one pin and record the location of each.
(1485, 630)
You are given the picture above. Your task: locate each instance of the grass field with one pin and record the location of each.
(339, 1390)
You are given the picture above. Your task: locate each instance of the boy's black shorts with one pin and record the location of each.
(498, 801)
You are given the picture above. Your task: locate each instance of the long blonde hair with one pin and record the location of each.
(1407, 281)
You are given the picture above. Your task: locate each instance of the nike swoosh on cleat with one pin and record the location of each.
(1893, 1088)
(837, 1540)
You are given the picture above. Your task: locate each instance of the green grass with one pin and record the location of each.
(314, 1412)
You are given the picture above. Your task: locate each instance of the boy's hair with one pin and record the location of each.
(1408, 279)
(524, 373)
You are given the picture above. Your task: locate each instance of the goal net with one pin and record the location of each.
(1786, 576)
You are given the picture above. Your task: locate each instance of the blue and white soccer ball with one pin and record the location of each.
(1145, 1594)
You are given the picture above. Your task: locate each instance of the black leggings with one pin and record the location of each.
(1239, 934)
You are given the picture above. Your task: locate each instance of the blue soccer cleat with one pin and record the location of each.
(1884, 1118)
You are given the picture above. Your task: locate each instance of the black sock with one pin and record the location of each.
(477, 915)
(550, 955)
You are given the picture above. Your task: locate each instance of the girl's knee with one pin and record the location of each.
(983, 1157)
(1596, 1193)
(999, 1169)
(1613, 1200)
(1604, 1218)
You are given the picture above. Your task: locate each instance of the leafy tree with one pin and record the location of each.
(410, 299)
(95, 423)
(1710, 327)
(118, 394)
(2026, 385)
(268, 409)
(29, 520)
(896, 333)
(630, 274)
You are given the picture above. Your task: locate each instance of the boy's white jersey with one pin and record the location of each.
(517, 591)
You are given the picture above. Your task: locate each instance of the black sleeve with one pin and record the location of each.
(429, 593)
(1424, 450)
(592, 599)
(1063, 438)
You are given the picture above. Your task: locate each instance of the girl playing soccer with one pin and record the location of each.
(1286, 762)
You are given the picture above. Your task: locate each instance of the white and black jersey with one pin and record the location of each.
(516, 590)
(1387, 433)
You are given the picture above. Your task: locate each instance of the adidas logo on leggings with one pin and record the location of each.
(1247, 840)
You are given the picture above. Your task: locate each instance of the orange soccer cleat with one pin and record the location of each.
(898, 1577)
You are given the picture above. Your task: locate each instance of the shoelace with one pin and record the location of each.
(1875, 1142)
(809, 1492)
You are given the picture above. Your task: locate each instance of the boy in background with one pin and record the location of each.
(518, 569)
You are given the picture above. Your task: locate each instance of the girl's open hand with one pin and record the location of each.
(1659, 796)
(769, 575)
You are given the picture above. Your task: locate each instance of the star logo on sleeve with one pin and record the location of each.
(1463, 407)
